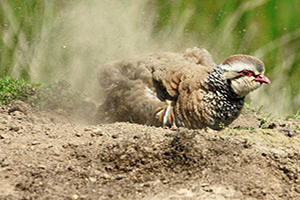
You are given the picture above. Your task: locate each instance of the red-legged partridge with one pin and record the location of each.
(172, 89)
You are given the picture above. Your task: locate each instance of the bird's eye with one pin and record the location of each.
(246, 73)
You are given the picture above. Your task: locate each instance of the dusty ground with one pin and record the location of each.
(50, 155)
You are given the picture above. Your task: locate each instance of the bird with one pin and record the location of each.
(189, 89)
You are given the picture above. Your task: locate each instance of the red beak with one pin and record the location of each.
(263, 79)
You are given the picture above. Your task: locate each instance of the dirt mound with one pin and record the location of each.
(49, 155)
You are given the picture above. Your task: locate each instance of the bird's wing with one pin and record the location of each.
(136, 87)
(177, 77)
(158, 67)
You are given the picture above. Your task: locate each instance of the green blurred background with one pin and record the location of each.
(44, 41)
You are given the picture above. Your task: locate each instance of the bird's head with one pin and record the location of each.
(244, 73)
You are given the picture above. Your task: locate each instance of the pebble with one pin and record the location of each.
(78, 134)
(96, 132)
(146, 185)
(120, 176)
(35, 142)
(87, 129)
(272, 126)
(74, 197)
(106, 176)
(14, 128)
(204, 184)
(42, 167)
(136, 137)
(92, 179)
(115, 136)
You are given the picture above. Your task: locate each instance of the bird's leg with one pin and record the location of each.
(165, 114)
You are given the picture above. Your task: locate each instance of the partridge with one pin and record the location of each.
(183, 90)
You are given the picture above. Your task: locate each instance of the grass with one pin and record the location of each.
(244, 128)
(12, 89)
(44, 41)
(58, 95)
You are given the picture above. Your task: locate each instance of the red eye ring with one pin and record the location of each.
(246, 73)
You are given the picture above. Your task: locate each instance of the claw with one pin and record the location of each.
(172, 119)
(166, 115)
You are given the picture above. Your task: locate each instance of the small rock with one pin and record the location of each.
(106, 176)
(204, 184)
(42, 167)
(14, 128)
(92, 179)
(146, 185)
(136, 137)
(35, 142)
(18, 115)
(74, 197)
(96, 132)
(4, 163)
(115, 136)
(120, 176)
(282, 124)
(208, 190)
(287, 132)
(272, 126)
(87, 129)
(78, 134)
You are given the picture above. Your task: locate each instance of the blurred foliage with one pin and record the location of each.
(22, 26)
(268, 29)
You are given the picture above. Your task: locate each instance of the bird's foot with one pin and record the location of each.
(165, 114)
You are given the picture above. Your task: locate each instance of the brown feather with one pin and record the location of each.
(140, 89)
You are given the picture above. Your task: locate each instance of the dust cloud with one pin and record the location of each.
(86, 35)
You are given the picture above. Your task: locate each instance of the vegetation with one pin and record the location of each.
(53, 96)
(43, 41)
(12, 89)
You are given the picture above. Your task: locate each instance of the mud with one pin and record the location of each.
(53, 155)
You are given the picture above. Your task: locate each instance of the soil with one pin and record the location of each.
(51, 154)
